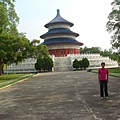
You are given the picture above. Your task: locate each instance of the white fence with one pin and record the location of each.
(62, 63)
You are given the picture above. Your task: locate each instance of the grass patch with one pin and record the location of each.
(8, 79)
(115, 74)
(11, 76)
(114, 70)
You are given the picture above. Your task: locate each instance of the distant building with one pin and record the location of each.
(59, 39)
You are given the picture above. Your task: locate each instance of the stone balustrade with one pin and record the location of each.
(95, 60)
(61, 63)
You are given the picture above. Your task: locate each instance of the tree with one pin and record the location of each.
(85, 62)
(47, 63)
(75, 64)
(105, 53)
(44, 62)
(112, 55)
(90, 50)
(13, 49)
(80, 64)
(38, 64)
(33, 49)
(3, 25)
(50, 64)
(42, 50)
(113, 25)
(13, 45)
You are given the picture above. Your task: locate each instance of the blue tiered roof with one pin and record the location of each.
(58, 19)
(61, 41)
(59, 31)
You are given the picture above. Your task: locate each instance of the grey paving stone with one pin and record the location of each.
(60, 96)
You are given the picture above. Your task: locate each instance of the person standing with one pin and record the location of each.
(103, 80)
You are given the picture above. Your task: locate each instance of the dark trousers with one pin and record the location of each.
(103, 88)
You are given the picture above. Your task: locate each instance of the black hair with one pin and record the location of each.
(103, 63)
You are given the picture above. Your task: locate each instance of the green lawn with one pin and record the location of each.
(114, 71)
(7, 79)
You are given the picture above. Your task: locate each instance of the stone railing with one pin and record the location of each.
(95, 60)
(61, 63)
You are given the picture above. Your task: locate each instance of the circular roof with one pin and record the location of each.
(59, 31)
(61, 41)
(58, 19)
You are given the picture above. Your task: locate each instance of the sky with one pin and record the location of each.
(89, 18)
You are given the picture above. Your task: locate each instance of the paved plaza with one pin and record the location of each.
(60, 96)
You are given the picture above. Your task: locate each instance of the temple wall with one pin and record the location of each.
(59, 26)
(63, 52)
(69, 46)
(60, 36)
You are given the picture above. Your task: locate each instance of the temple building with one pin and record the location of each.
(63, 48)
(59, 39)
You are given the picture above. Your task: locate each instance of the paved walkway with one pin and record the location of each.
(60, 96)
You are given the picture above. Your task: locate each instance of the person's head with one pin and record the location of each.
(103, 64)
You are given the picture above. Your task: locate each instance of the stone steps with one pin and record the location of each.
(65, 63)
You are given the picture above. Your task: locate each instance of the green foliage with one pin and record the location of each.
(7, 77)
(111, 55)
(76, 64)
(2, 54)
(13, 45)
(105, 53)
(113, 25)
(90, 50)
(38, 64)
(85, 63)
(9, 17)
(35, 49)
(47, 63)
(13, 48)
(3, 18)
(44, 63)
(42, 50)
(80, 64)
(114, 70)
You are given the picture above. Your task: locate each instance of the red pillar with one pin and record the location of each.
(78, 51)
(55, 52)
(66, 52)
(74, 51)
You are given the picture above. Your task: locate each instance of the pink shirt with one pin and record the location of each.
(103, 73)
